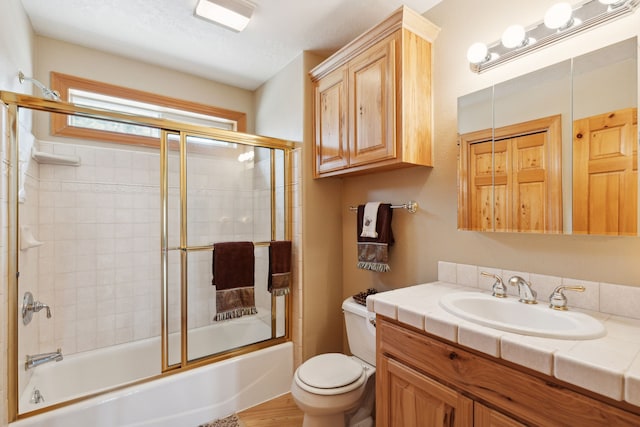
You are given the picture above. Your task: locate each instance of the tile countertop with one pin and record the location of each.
(609, 365)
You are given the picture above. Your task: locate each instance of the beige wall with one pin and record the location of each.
(284, 110)
(280, 114)
(56, 55)
(322, 243)
(424, 238)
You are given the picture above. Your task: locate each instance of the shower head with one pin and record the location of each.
(46, 92)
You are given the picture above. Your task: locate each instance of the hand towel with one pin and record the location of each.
(373, 253)
(279, 282)
(370, 220)
(233, 269)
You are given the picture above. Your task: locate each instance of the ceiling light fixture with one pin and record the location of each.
(560, 22)
(231, 14)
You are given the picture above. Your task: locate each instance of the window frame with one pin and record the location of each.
(60, 127)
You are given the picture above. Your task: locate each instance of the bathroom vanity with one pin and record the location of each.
(434, 369)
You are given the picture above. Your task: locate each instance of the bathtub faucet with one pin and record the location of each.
(39, 359)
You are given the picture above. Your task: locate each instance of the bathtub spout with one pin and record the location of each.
(39, 359)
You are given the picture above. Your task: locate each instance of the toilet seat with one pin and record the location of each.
(330, 374)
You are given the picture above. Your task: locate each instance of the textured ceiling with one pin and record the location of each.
(166, 33)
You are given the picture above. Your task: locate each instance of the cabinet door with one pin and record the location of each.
(330, 147)
(406, 398)
(372, 104)
(487, 417)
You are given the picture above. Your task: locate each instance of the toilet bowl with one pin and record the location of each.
(336, 390)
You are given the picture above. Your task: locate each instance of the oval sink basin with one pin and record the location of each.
(508, 314)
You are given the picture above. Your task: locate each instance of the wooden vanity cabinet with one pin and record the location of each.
(373, 100)
(408, 398)
(422, 380)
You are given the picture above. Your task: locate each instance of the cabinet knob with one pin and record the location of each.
(453, 355)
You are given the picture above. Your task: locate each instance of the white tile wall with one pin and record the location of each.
(28, 335)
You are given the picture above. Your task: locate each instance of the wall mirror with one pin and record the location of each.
(555, 150)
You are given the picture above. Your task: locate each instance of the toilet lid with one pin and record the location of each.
(330, 370)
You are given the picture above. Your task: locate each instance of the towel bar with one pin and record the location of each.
(411, 206)
(208, 247)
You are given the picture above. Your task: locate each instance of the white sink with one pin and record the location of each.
(508, 314)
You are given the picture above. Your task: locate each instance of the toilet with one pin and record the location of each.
(336, 390)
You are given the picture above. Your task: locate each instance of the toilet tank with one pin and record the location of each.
(361, 334)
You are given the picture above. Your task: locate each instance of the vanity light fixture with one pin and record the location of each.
(560, 21)
(231, 14)
(612, 3)
(514, 36)
(559, 16)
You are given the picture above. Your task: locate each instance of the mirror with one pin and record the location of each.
(528, 144)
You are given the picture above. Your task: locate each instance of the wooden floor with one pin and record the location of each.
(279, 412)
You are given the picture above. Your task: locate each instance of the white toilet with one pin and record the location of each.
(335, 390)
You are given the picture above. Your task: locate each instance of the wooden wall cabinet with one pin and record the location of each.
(425, 381)
(373, 100)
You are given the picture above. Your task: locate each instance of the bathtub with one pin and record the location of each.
(185, 399)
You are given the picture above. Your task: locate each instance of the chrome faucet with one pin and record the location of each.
(29, 306)
(527, 295)
(39, 359)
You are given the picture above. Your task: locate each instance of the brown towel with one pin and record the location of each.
(279, 267)
(373, 253)
(233, 270)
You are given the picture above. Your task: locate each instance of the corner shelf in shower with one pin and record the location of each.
(55, 159)
(27, 239)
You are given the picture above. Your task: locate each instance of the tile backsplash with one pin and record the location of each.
(620, 300)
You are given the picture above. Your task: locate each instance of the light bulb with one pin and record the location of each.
(558, 16)
(514, 36)
(477, 53)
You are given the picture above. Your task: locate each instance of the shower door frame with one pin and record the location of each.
(12, 102)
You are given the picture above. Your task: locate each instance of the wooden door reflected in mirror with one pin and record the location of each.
(605, 174)
(511, 178)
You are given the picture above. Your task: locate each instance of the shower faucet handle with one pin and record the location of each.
(29, 306)
(37, 306)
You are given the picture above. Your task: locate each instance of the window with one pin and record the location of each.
(99, 95)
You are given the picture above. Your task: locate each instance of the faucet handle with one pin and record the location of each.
(558, 300)
(498, 288)
(37, 306)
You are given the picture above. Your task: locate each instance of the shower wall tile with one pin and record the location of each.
(101, 226)
(28, 267)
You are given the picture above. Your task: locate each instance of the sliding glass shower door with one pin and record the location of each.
(116, 242)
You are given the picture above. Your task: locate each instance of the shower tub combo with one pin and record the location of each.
(147, 350)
